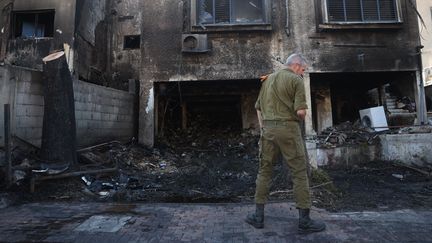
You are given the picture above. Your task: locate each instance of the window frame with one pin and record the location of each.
(131, 36)
(232, 26)
(325, 17)
(36, 13)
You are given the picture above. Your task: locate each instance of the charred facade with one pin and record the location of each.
(203, 58)
(352, 55)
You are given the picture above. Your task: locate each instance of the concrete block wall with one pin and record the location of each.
(28, 106)
(102, 114)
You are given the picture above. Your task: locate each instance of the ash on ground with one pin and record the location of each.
(215, 166)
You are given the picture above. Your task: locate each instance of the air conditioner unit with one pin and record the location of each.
(375, 118)
(194, 43)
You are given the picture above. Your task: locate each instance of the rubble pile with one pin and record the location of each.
(187, 166)
(346, 134)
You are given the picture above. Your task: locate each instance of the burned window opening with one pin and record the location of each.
(216, 113)
(219, 106)
(337, 98)
(219, 12)
(33, 24)
(132, 42)
(202, 113)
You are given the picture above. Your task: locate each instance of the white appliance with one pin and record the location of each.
(375, 118)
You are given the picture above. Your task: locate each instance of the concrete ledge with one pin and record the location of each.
(338, 156)
(410, 149)
(407, 148)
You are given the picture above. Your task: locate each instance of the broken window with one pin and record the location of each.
(34, 24)
(132, 42)
(362, 11)
(231, 11)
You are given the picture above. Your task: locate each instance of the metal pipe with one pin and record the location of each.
(421, 106)
(96, 146)
(287, 24)
(8, 146)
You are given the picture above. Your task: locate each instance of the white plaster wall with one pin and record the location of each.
(424, 8)
(404, 148)
(407, 148)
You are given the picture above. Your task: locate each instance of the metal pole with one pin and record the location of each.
(421, 106)
(8, 144)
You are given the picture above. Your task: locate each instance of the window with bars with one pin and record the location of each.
(219, 12)
(362, 11)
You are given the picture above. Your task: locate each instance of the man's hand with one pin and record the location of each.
(264, 78)
(301, 114)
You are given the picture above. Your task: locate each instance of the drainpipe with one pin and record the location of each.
(421, 109)
(287, 24)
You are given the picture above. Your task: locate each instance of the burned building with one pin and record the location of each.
(32, 29)
(199, 61)
(87, 30)
(425, 25)
(29, 28)
(203, 58)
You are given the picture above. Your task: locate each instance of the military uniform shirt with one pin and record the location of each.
(281, 96)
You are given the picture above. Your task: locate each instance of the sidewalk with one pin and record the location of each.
(109, 222)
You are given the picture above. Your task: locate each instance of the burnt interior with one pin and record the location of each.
(351, 92)
(208, 105)
(217, 112)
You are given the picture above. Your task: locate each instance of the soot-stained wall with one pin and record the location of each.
(91, 41)
(237, 53)
(29, 52)
(125, 19)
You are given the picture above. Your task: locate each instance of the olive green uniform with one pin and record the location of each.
(281, 95)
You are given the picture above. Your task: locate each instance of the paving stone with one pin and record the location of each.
(57, 222)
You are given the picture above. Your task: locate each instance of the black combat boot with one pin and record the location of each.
(307, 225)
(256, 219)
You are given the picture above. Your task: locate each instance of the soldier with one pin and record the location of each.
(281, 106)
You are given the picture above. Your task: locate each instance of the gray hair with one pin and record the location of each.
(295, 59)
